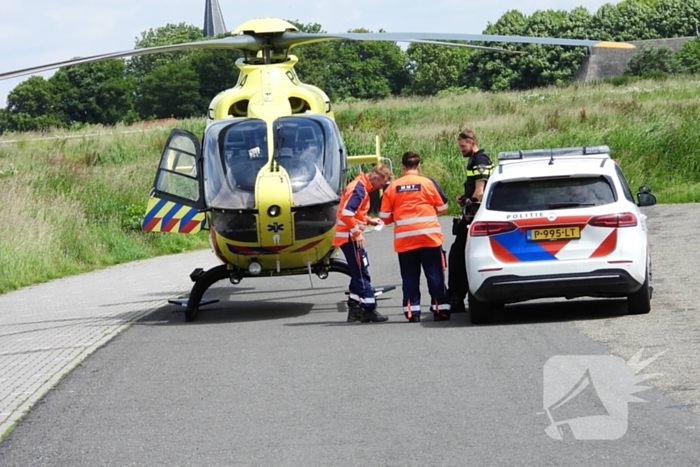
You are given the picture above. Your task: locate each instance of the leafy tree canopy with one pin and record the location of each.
(688, 57)
(98, 92)
(171, 90)
(141, 65)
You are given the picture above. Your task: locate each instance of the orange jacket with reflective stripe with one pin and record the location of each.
(352, 210)
(413, 203)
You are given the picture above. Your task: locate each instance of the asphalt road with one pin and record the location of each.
(273, 376)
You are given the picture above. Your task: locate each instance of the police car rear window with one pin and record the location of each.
(551, 193)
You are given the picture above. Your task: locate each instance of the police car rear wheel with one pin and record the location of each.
(639, 302)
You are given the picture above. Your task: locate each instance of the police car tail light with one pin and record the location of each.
(482, 229)
(625, 219)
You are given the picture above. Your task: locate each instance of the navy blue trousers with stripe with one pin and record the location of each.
(360, 283)
(432, 260)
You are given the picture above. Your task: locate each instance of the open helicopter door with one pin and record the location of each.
(177, 196)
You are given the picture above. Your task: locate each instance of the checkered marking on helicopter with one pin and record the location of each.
(167, 216)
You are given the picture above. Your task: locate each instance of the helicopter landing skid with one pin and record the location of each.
(183, 301)
(379, 290)
(202, 281)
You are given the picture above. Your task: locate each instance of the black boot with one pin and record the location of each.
(372, 316)
(441, 317)
(354, 313)
(457, 305)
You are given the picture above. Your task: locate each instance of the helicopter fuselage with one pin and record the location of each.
(266, 177)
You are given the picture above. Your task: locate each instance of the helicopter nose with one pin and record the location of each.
(274, 199)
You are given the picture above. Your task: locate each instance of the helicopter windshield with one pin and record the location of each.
(310, 150)
(234, 152)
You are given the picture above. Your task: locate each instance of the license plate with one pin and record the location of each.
(555, 233)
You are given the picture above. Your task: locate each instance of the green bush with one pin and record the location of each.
(688, 57)
(651, 60)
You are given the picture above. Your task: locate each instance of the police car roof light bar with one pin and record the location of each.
(551, 152)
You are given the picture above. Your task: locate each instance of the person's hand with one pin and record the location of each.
(459, 199)
(360, 242)
(374, 221)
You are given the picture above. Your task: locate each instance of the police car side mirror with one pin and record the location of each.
(645, 199)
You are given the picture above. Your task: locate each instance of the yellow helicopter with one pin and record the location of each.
(265, 178)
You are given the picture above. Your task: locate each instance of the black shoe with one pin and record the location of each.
(373, 317)
(457, 306)
(354, 315)
(441, 317)
(414, 319)
(354, 312)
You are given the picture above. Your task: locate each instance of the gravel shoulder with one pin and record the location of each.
(674, 322)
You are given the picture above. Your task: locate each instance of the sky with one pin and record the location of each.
(35, 32)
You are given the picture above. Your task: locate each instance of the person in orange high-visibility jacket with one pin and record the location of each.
(351, 220)
(413, 203)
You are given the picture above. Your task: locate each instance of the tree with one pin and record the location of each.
(688, 57)
(628, 21)
(171, 90)
(435, 68)
(216, 71)
(366, 69)
(542, 65)
(315, 59)
(98, 92)
(675, 18)
(4, 120)
(650, 60)
(352, 69)
(33, 105)
(140, 66)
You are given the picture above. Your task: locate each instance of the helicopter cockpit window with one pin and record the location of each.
(308, 149)
(234, 152)
(244, 152)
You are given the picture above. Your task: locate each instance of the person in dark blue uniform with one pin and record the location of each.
(479, 167)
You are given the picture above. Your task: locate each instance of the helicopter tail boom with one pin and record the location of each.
(375, 158)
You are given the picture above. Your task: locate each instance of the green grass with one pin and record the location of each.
(651, 126)
(75, 204)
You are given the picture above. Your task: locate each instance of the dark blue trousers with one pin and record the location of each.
(360, 283)
(432, 260)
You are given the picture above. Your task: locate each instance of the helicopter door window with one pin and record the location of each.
(177, 174)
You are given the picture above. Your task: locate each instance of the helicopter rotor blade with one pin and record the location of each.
(241, 42)
(291, 39)
(281, 41)
(470, 46)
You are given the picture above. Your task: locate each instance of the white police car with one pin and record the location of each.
(558, 223)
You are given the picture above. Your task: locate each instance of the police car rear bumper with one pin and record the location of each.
(598, 283)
